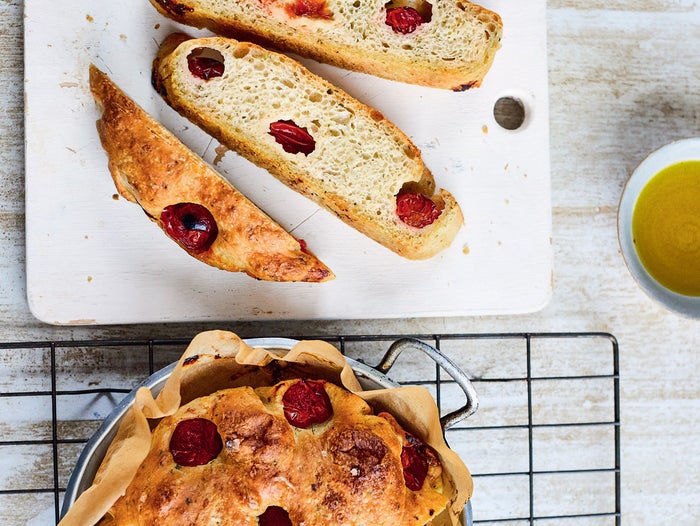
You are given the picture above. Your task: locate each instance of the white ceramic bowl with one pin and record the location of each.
(683, 150)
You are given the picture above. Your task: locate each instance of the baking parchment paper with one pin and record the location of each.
(220, 359)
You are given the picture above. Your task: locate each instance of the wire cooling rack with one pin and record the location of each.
(544, 446)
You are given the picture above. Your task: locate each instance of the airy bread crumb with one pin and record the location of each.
(359, 163)
(453, 49)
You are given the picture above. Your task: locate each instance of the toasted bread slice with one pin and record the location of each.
(189, 200)
(312, 136)
(448, 44)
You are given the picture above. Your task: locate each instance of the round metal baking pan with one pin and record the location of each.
(369, 377)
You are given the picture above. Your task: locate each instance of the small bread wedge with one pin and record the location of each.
(313, 137)
(189, 200)
(449, 44)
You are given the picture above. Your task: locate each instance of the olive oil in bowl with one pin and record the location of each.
(658, 226)
(666, 227)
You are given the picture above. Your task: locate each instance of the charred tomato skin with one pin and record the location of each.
(175, 8)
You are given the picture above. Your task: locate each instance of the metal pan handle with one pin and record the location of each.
(459, 376)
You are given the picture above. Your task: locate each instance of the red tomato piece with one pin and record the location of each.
(274, 516)
(294, 139)
(416, 210)
(195, 442)
(191, 225)
(416, 458)
(404, 19)
(306, 403)
(205, 68)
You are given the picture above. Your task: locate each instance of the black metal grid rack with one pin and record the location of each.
(543, 448)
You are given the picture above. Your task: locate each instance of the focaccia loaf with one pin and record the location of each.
(302, 452)
(189, 200)
(312, 136)
(447, 44)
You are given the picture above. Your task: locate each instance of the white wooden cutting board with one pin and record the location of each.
(95, 259)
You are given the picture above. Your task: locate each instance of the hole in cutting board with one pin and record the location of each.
(509, 112)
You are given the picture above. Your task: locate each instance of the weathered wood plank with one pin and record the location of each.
(623, 81)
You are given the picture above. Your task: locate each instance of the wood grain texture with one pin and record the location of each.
(624, 80)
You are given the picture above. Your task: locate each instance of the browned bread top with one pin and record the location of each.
(301, 452)
(189, 200)
(312, 136)
(447, 44)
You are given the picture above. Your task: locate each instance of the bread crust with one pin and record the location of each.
(360, 163)
(346, 470)
(152, 168)
(453, 50)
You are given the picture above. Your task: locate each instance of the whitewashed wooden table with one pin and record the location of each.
(623, 81)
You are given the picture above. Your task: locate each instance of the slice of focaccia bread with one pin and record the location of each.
(190, 201)
(312, 136)
(447, 44)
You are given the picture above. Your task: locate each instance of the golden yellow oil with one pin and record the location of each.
(666, 227)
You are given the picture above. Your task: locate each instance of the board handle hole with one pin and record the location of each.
(509, 112)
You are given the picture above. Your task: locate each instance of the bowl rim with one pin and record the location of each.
(667, 155)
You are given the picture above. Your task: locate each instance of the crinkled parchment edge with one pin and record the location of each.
(220, 359)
